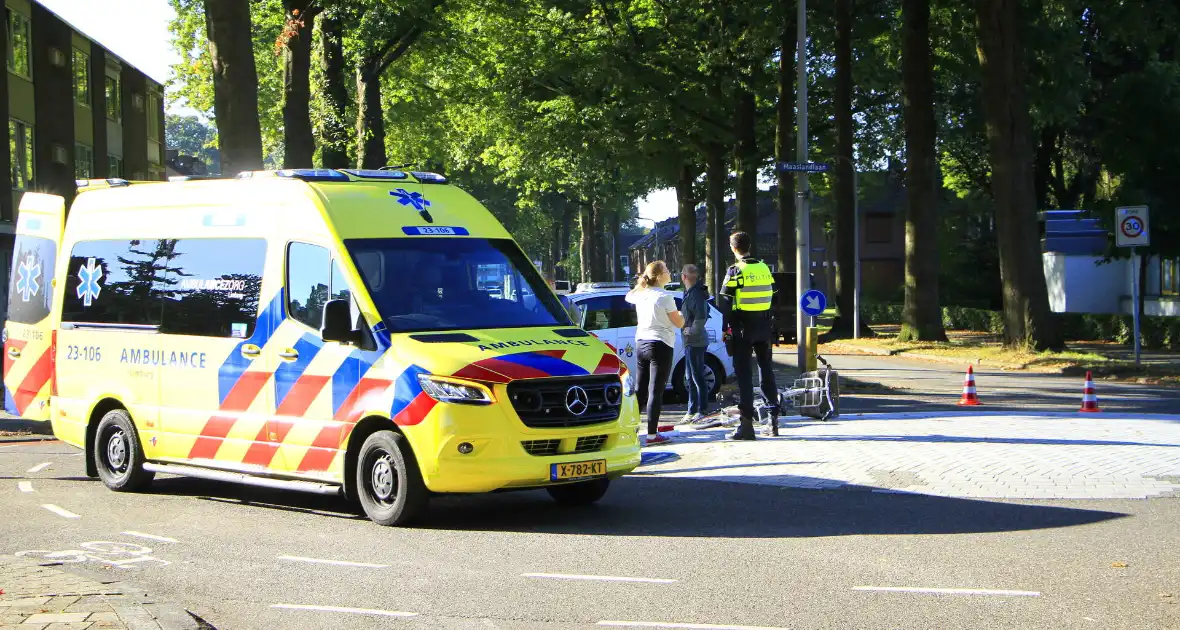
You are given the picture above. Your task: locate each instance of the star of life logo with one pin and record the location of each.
(28, 278)
(88, 278)
(407, 198)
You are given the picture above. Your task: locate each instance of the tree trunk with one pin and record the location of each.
(716, 247)
(686, 214)
(298, 141)
(1028, 321)
(586, 241)
(235, 85)
(846, 235)
(1043, 167)
(921, 316)
(333, 129)
(746, 165)
(784, 141)
(567, 228)
(370, 120)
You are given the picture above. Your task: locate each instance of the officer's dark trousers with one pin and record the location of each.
(745, 377)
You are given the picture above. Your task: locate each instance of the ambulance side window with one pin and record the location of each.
(211, 287)
(115, 282)
(29, 294)
(309, 282)
(339, 284)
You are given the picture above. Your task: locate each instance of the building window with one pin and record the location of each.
(20, 154)
(1170, 277)
(114, 166)
(83, 162)
(18, 43)
(878, 229)
(114, 99)
(81, 77)
(154, 107)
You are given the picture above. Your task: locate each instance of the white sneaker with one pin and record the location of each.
(690, 418)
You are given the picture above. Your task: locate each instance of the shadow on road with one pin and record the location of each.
(659, 506)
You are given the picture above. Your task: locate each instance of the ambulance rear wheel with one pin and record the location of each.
(118, 454)
(388, 482)
(581, 493)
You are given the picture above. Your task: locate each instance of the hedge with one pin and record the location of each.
(1155, 332)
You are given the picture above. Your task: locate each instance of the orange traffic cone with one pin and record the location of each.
(969, 399)
(1089, 397)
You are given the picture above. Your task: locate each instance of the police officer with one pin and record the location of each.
(746, 299)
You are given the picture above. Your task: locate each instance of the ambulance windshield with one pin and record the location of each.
(454, 283)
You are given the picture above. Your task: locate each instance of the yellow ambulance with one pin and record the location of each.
(372, 333)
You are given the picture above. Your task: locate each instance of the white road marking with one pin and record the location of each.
(339, 609)
(151, 537)
(24, 486)
(947, 591)
(601, 578)
(689, 626)
(60, 511)
(342, 563)
(39, 467)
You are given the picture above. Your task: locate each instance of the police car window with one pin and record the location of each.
(448, 283)
(595, 313)
(29, 295)
(212, 286)
(623, 315)
(116, 282)
(308, 282)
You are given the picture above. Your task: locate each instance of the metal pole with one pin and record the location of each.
(856, 252)
(1135, 262)
(802, 211)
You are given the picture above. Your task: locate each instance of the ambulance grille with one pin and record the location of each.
(590, 443)
(541, 448)
(541, 403)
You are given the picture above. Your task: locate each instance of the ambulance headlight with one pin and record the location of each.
(454, 390)
(628, 384)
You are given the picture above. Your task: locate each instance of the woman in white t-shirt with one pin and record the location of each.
(659, 319)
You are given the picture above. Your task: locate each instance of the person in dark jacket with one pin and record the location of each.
(695, 311)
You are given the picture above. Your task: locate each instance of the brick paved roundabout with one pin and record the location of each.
(966, 454)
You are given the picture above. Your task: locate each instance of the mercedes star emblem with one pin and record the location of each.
(577, 400)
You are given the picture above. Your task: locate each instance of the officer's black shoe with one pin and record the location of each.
(743, 435)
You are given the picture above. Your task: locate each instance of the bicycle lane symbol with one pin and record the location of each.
(118, 554)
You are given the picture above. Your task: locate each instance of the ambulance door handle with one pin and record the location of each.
(288, 355)
(251, 351)
(14, 353)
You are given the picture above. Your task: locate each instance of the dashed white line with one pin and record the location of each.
(689, 626)
(24, 486)
(60, 511)
(40, 467)
(600, 578)
(947, 591)
(340, 609)
(151, 537)
(341, 563)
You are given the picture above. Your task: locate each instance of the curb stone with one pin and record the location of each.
(32, 594)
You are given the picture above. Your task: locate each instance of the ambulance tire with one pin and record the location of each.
(388, 482)
(581, 493)
(118, 455)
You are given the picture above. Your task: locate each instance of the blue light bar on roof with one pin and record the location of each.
(369, 173)
(428, 178)
(313, 174)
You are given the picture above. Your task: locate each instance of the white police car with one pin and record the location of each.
(601, 309)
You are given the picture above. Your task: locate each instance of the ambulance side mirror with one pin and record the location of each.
(337, 324)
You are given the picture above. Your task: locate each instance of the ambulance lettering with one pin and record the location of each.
(137, 356)
(533, 342)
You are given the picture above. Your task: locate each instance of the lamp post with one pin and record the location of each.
(855, 246)
(802, 210)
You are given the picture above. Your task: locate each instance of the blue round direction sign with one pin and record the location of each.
(813, 303)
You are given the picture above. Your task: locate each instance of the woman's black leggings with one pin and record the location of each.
(654, 366)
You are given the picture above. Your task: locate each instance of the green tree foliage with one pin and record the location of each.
(190, 136)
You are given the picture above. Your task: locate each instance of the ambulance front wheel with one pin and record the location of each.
(388, 482)
(118, 454)
(581, 493)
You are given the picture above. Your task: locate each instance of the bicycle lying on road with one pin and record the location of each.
(812, 395)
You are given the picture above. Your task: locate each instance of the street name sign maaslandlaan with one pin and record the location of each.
(802, 167)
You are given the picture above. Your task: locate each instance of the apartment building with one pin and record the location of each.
(74, 110)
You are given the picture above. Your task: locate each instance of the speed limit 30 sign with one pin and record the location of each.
(1131, 227)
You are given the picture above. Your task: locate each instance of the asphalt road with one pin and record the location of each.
(702, 552)
(913, 385)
